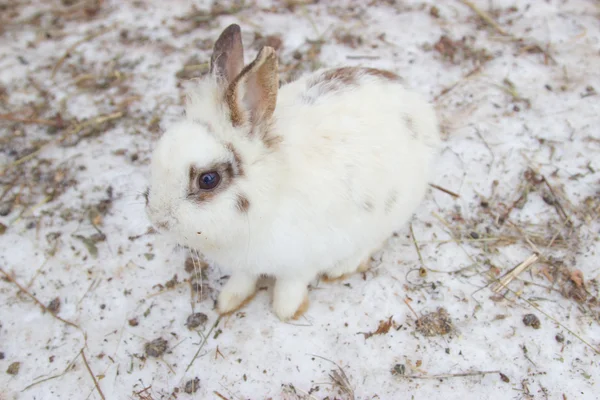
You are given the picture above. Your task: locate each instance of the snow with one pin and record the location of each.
(490, 136)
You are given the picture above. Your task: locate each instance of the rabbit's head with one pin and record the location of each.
(209, 171)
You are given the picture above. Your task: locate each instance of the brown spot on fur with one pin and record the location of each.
(382, 73)
(368, 206)
(349, 76)
(242, 203)
(391, 201)
(339, 79)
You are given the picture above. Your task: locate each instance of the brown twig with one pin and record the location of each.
(219, 395)
(455, 84)
(411, 309)
(441, 189)
(39, 303)
(485, 17)
(87, 366)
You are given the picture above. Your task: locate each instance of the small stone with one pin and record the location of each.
(133, 322)
(13, 369)
(2, 228)
(474, 235)
(192, 386)
(1, 355)
(559, 337)
(156, 348)
(504, 378)
(195, 320)
(532, 320)
(6, 208)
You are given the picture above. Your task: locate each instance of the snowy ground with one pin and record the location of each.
(84, 288)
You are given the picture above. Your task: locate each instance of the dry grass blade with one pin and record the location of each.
(441, 189)
(443, 376)
(412, 234)
(485, 16)
(87, 366)
(340, 379)
(205, 339)
(53, 376)
(516, 271)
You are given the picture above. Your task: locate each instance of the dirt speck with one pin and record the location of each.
(13, 369)
(435, 323)
(532, 320)
(156, 348)
(195, 320)
(192, 386)
(54, 306)
(560, 338)
(133, 322)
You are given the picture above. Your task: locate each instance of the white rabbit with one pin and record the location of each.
(296, 182)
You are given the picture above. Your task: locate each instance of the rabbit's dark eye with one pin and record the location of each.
(209, 180)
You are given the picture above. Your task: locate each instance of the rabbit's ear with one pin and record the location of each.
(252, 96)
(228, 54)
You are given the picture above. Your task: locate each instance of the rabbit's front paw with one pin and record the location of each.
(238, 291)
(290, 299)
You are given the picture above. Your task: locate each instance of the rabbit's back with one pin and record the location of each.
(358, 159)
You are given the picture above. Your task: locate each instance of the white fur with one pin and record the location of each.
(321, 201)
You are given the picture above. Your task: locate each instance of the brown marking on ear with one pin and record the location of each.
(252, 96)
(242, 203)
(390, 202)
(238, 167)
(227, 59)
